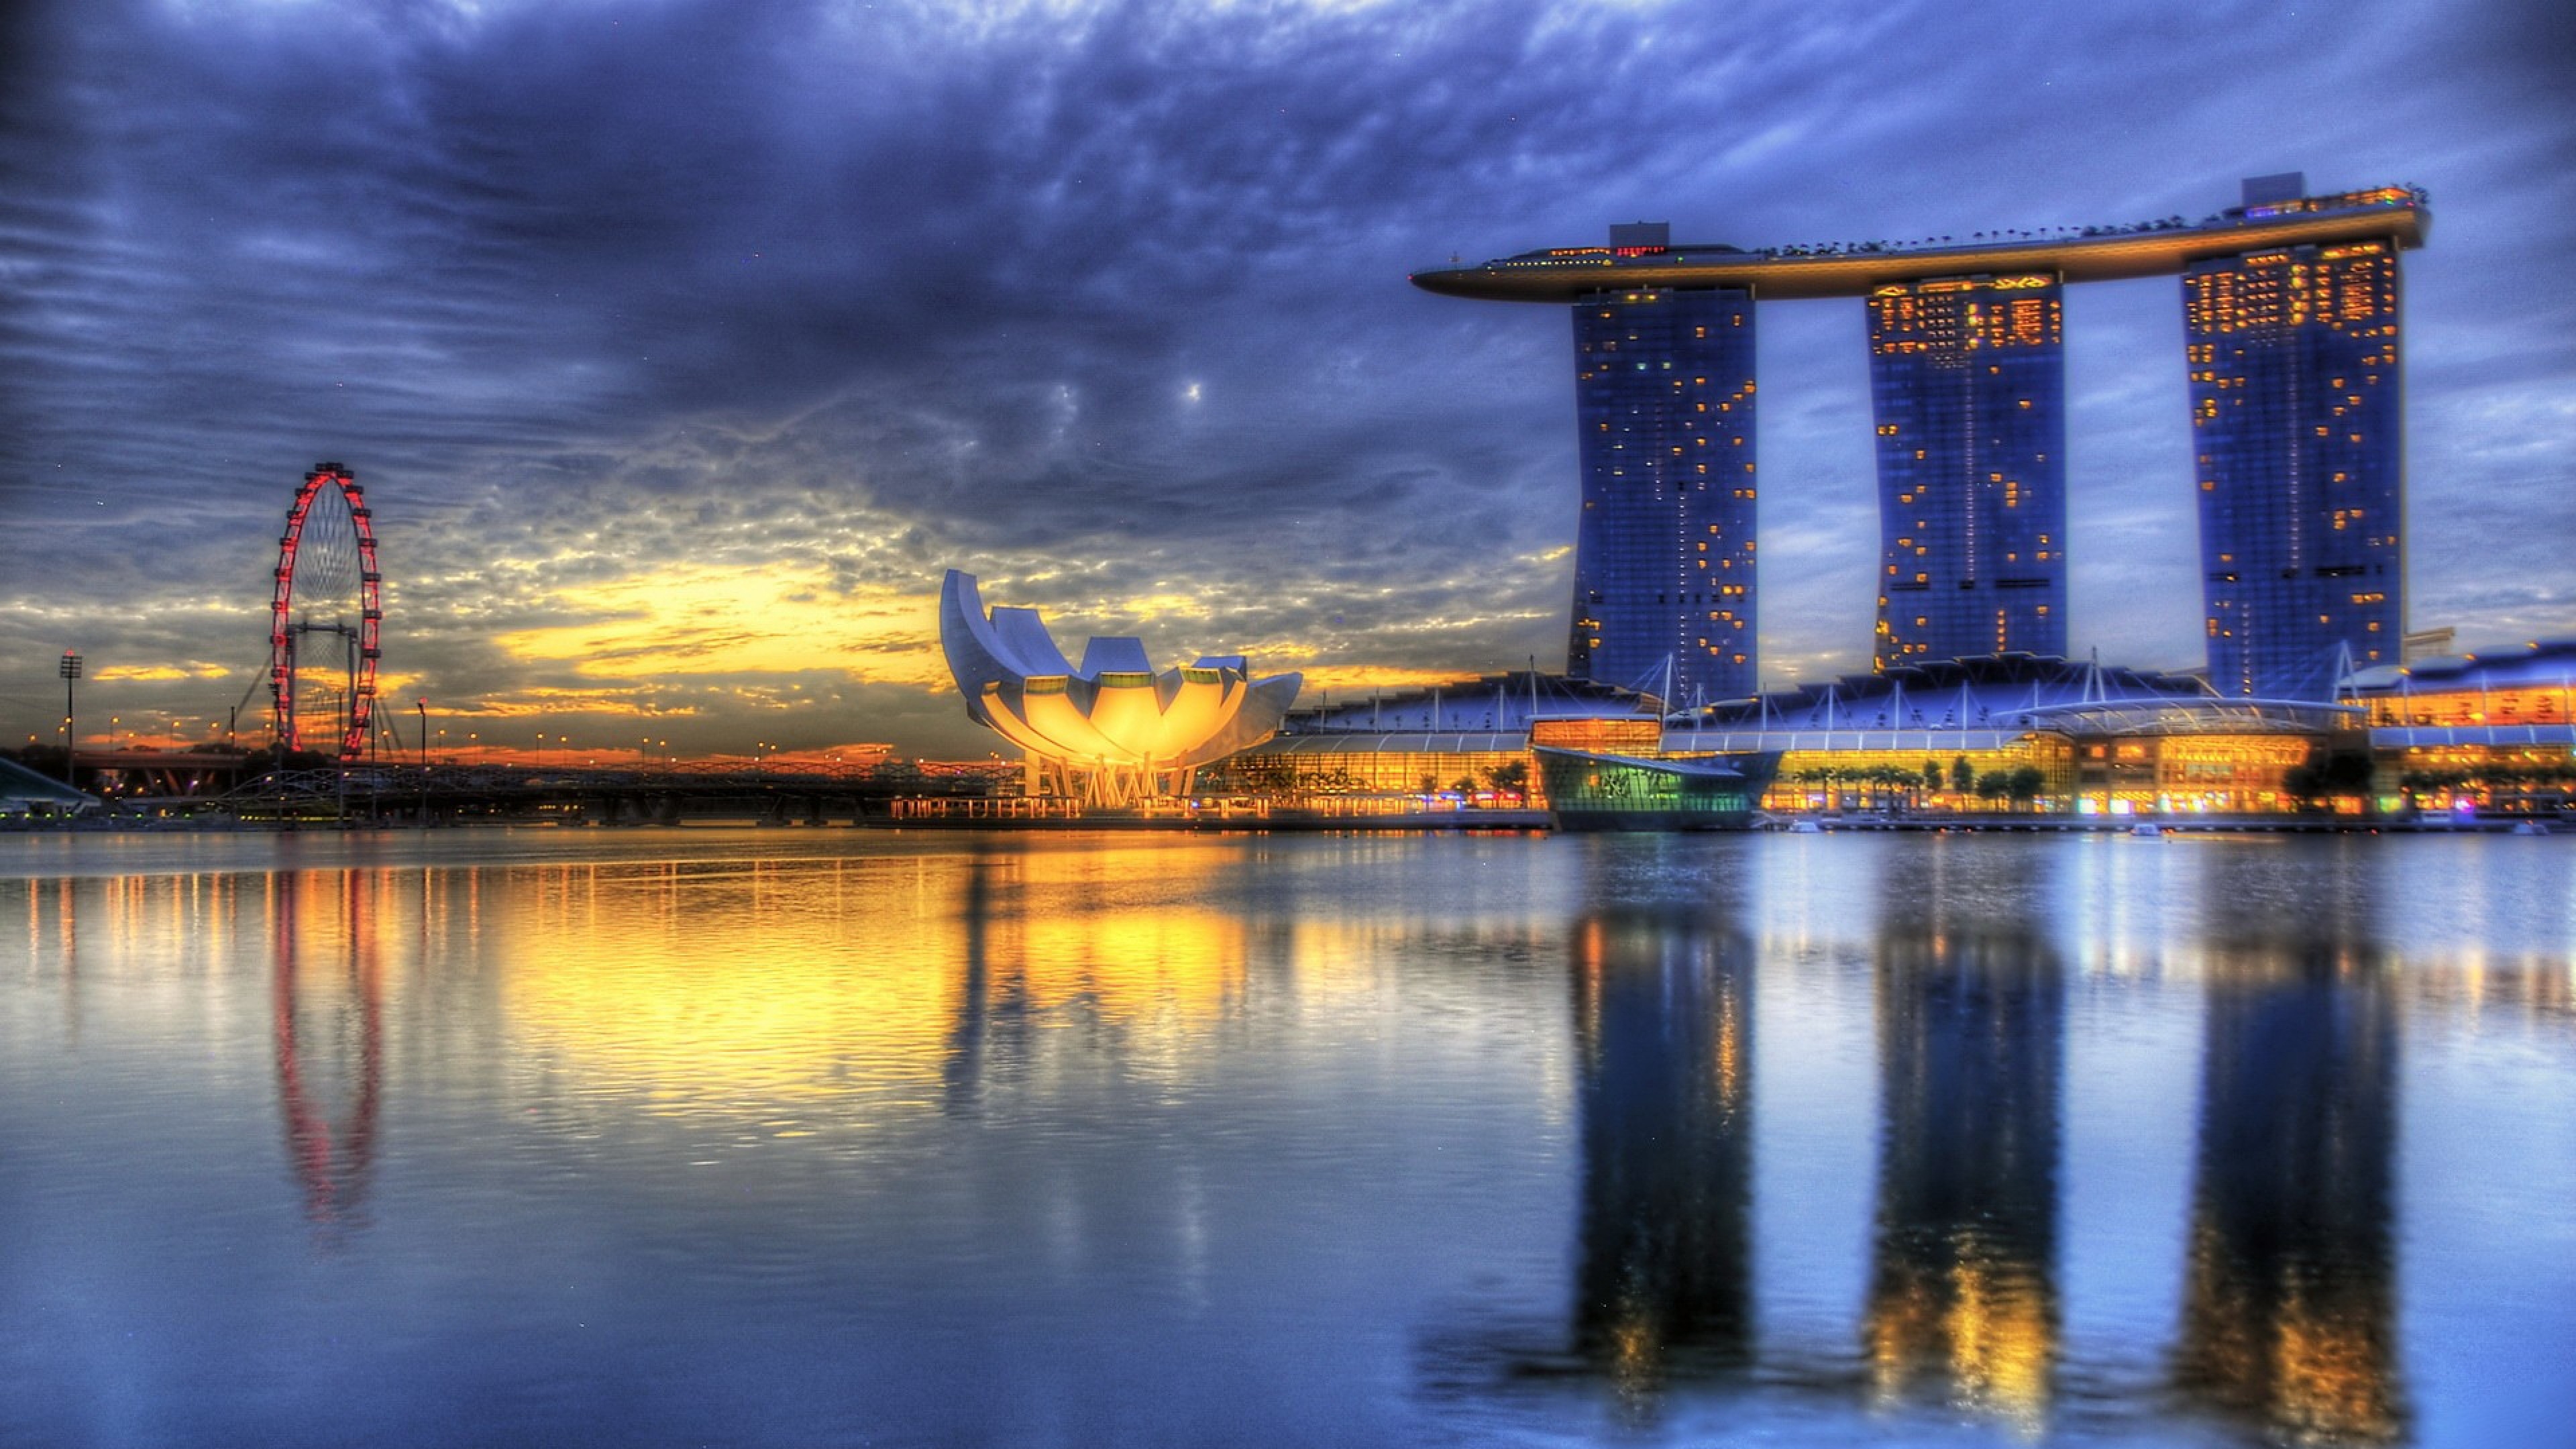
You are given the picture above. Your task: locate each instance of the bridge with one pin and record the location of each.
(140, 770)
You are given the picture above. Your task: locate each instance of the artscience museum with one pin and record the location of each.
(1113, 730)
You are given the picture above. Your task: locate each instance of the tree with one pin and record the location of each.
(2340, 773)
(1993, 785)
(1963, 776)
(1263, 774)
(1429, 785)
(2348, 772)
(1932, 777)
(1511, 777)
(2025, 783)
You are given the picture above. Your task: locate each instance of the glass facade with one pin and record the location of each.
(2189, 774)
(1968, 386)
(1366, 769)
(1663, 555)
(2296, 436)
(1678, 795)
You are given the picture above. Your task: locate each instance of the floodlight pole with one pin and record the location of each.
(71, 671)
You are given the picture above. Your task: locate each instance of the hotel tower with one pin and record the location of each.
(2294, 363)
(1663, 555)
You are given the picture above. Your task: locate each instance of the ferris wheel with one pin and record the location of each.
(324, 618)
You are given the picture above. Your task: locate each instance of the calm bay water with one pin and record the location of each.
(805, 1138)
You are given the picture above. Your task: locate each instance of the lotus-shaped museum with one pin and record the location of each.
(1112, 731)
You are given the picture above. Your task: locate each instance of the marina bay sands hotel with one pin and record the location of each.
(2291, 310)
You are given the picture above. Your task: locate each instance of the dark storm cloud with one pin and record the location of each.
(1107, 302)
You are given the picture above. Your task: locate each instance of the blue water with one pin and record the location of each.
(825, 1137)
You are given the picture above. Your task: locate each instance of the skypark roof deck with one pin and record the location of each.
(2388, 214)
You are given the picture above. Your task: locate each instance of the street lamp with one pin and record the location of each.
(71, 670)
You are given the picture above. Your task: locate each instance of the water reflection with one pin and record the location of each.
(1055, 939)
(1662, 1292)
(326, 1003)
(1962, 1304)
(1663, 1024)
(2095, 1141)
(977, 1016)
(2290, 1308)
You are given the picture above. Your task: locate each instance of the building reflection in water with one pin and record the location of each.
(1963, 1303)
(1663, 1019)
(1663, 1096)
(2290, 1299)
(327, 1028)
(962, 1071)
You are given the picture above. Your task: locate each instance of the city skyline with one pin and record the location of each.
(679, 353)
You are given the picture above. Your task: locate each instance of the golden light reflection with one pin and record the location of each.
(769, 987)
(1987, 1322)
(735, 987)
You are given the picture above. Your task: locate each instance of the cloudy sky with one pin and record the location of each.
(680, 344)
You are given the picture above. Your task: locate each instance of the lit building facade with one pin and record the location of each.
(1110, 731)
(2001, 733)
(1968, 387)
(2492, 731)
(2294, 365)
(1663, 555)
(2297, 436)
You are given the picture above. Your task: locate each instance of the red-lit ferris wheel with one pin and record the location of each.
(324, 618)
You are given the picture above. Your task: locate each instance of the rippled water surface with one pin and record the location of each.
(811, 1138)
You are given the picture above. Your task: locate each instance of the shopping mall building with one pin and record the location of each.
(2016, 733)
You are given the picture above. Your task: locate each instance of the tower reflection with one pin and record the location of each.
(1662, 1294)
(320, 1053)
(2290, 1303)
(1963, 1300)
(1663, 1017)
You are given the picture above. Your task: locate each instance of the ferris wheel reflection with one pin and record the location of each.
(328, 1034)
